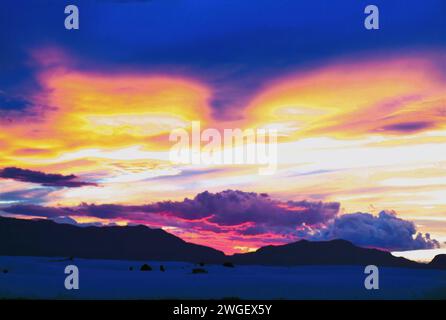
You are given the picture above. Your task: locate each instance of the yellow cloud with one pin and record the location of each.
(355, 99)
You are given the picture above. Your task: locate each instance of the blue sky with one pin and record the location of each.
(224, 42)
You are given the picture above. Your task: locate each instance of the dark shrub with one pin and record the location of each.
(5, 270)
(130, 268)
(201, 264)
(162, 269)
(228, 265)
(199, 270)
(146, 267)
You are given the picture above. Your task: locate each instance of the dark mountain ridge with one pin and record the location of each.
(334, 252)
(438, 262)
(48, 238)
(20, 237)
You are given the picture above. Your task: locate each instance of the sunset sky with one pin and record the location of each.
(85, 118)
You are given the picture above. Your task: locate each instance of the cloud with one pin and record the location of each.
(223, 35)
(234, 207)
(226, 208)
(45, 179)
(373, 109)
(409, 127)
(35, 195)
(244, 217)
(68, 220)
(385, 231)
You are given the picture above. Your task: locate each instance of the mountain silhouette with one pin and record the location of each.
(20, 237)
(334, 252)
(438, 262)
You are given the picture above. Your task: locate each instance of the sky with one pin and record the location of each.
(85, 118)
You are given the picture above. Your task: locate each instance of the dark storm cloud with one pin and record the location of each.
(383, 231)
(45, 179)
(234, 207)
(226, 208)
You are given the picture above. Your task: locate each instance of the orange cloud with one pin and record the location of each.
(355, 99)
(84, 112)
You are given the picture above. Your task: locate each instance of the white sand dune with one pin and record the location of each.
(43, 278)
